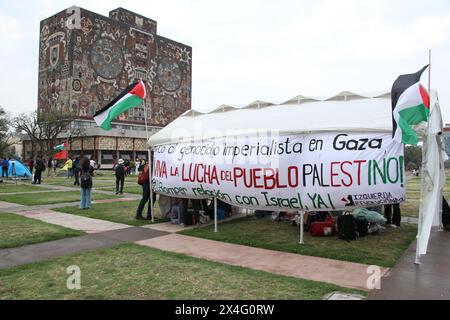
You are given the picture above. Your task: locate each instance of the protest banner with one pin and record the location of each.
(312, 172)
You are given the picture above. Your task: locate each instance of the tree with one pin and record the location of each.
(45, 129)
(5, 134)
(413, 157)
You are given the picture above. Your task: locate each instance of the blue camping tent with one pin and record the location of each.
(20, 170)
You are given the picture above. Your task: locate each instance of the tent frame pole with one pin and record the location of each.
(151, 184)
(302, 240)
(215, 215)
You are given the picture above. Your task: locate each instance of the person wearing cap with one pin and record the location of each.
(120, 176)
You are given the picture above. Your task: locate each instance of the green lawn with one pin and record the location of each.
(17, 231)
(65, 182)
(50, 197)
(133, 189)
(10, 188)
(383, 250)
(120, 212)
(99, 181)
(109, 175)
(133, 272)
(411, 206)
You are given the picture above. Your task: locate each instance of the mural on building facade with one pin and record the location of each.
(81, 69)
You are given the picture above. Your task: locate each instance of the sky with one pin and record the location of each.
(253, 50)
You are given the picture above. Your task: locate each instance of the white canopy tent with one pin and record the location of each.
(344, 112)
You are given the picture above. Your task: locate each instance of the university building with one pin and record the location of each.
(86, 59)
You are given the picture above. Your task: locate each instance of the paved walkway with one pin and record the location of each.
(428, 281)
(72, 221)
(6, 205)
(345, 274)
(54, 249)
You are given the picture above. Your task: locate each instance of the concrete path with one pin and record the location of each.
(72, 221)
(54, 249)
(428, 281)
(14, 208)
(7, 205)
(345, 274)
(167, 227)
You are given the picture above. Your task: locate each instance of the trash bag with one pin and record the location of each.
(371, 216)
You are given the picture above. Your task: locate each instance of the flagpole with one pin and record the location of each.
(422, 173)
(429, 75)
(150, 173)
(429, 92)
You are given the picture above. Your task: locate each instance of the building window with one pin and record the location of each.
(107, 158)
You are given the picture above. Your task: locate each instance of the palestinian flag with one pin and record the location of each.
(62, 151)
(410, 106)
(60, 147)
(131, 97)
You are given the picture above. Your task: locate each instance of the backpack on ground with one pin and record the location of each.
(347, 227)
(315, 217)
(363, 226)
(323, 229)
(86, 180)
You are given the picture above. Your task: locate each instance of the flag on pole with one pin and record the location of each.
(410, 106)
(62, 154)
(60, 147)
(131, 97)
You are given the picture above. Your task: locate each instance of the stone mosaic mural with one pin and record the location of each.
(86, 59)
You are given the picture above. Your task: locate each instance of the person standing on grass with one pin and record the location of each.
(393, 219)
(86, 183)
(76, 171)
(50, 167)
(69, 165)
(5, 166)
(55, 166)
(141, 167)
(39, 167)
(31, 165)
(120, 172)
(138, 164)
(144, 181)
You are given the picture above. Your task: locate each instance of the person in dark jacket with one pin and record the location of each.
(120, 172)
(76, 171)
(5, 166)
(50, 166)
(39, 166)
(86, 178)
(31, 165)
(145, 196)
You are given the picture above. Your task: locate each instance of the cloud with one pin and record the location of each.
(11, 33)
